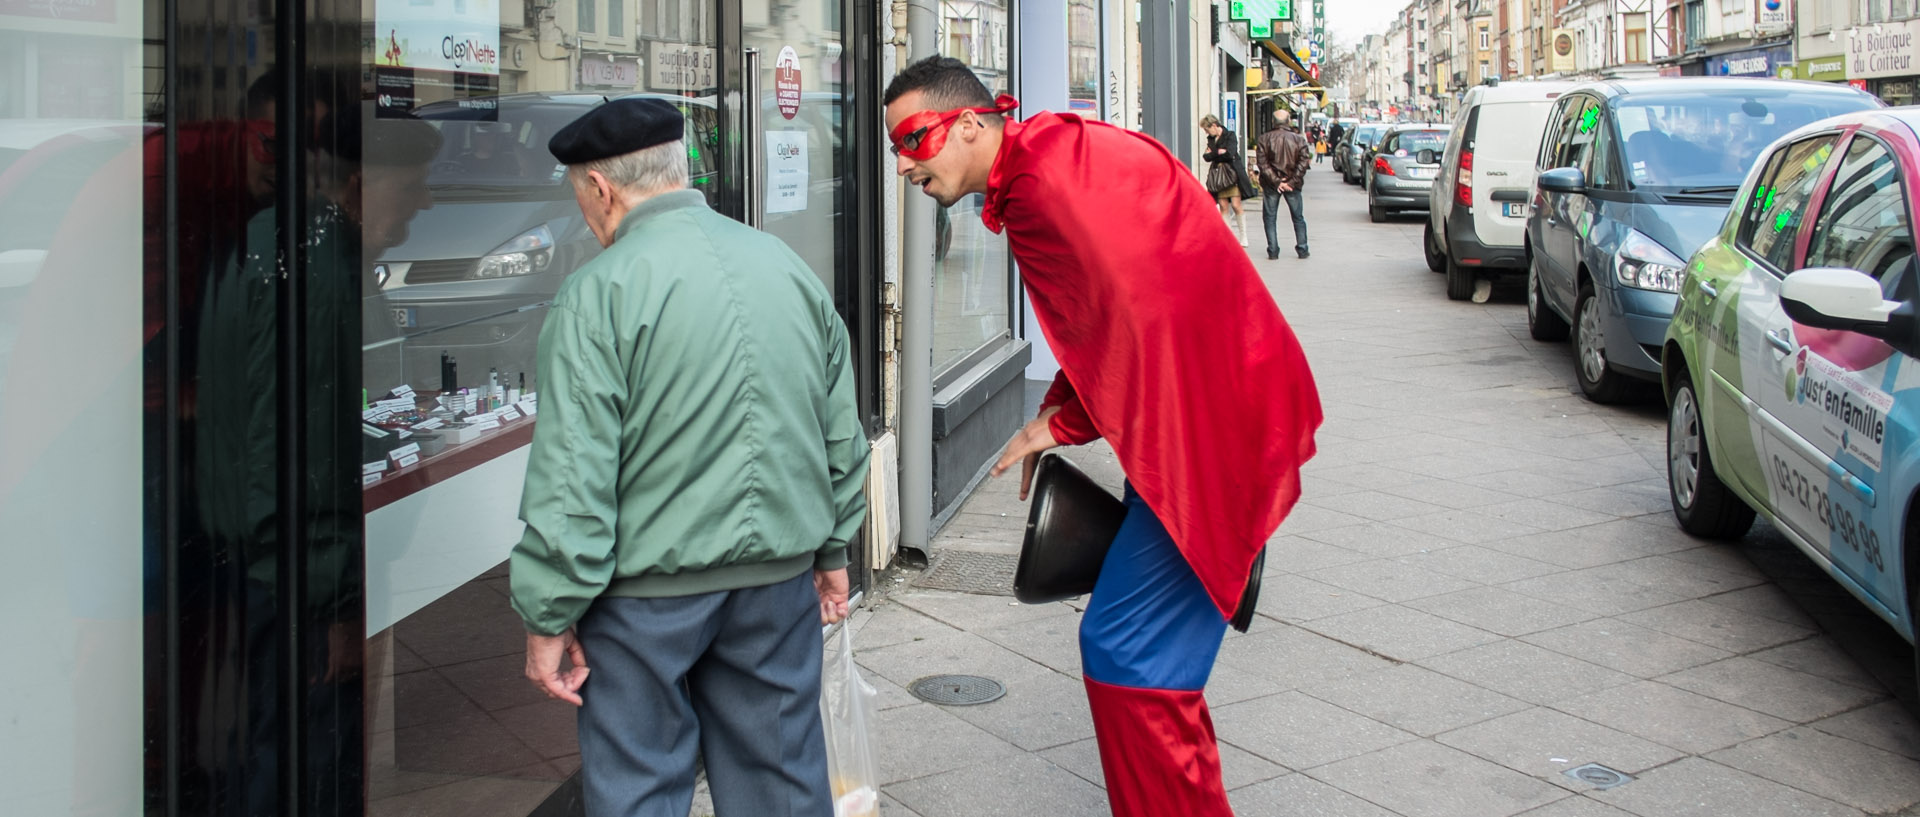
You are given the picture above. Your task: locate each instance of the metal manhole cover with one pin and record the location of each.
(965, 571)
(1598, 776)
(957, 690)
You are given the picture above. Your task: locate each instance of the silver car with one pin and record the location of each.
(1403, 168)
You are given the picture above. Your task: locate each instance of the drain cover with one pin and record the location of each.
(957, 690)
(1600, 777)
(989, 574)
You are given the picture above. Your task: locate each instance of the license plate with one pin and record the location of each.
(405, 317)
(1513, 209)
(1422, 172)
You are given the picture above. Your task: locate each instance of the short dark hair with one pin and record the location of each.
(946, 82)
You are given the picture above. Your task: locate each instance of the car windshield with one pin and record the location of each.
(509, 151)
(1410, 142)
(1365, 136)
(1706, 143)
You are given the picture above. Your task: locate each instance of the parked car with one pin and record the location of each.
(1353, 150)
(1633, 176)
(503, 233)
(1790, 361)
(1477, 220)
(1404, 165)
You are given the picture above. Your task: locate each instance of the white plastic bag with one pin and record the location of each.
(846, 710)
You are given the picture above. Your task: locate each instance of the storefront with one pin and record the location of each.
(271, 276)
(1884, 60)
(1752, 62)
(1817, 69)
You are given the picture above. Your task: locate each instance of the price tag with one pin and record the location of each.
(403, 390)
(429, 425)
(507, 413)
(408, 460)
(373, 467)
(369, 479)
(375, 415)
(408, 450)
(405, 434)
(527, 406)
(484, 424)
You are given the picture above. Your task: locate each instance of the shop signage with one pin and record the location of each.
(1824, 69)
(461, 36)
(1259, 15)
(90, 11)
(786, 82)
(1562, 47)
(1885, 50)
(1758, 62)
(603, 69)
(786, 171)
(1776, 14)
(680, 67)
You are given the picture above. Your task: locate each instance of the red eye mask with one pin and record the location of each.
(921, 136)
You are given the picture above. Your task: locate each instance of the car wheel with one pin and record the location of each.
(1542, 323)
(1702, 504)
(1597, 379)
(1376, 213)
(1435, 261)
(1460, 281)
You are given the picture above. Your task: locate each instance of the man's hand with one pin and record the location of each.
(1025, 448)
(1286, 188)
(543, 665)
(832, 587)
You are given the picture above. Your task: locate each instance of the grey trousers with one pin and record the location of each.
(736, 674)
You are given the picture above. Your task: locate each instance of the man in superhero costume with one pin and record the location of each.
(1170, 348)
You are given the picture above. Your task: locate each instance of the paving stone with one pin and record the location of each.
(1300, 794)
(1722, 556)
(1289, 656)
(1535, 485)
(1305, 519)
(1467, 526)
(1598, 593)
(1399, 633)
(1501, 611)
(1765, 601)
(1426, 779)
(1230, 684)
(887, 694)
(921, 740)
(1483, 564)
(1300, 732)
(969, 611)
(960, 653)
(1238, 767)
(1394, 580)
(1018, 784)
(1298, 598)
(1576, 807)
(1673, 717)
(1778, 691)
(1596, 545)
(1888, 726)
(1629, 648)
(1545, 743)
(1378, 506)
(1838, 769)
(1370, 476)
(1053, 641)
(1415, 699)
(1523, 671)
(1718, 626)
(1381, 539)
(1630, 499)
(1695, 787)
(1678, 577)
(1545, 514)
(890, 807)
(1299, 554)
(1038, 712)
(1448, 493)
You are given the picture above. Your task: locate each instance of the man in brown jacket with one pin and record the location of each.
(1284, 158)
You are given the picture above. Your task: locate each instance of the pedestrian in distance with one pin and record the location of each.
(1172, 349)
(1227, 174)
(694, 480)
(1284, 158)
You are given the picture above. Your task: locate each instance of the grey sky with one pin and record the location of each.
(1349, 20)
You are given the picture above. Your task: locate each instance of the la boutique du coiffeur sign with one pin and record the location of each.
(1260, 15)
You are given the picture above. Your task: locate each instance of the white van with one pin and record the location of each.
(1477, 218)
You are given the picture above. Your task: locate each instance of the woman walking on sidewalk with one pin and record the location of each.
(1227, 178)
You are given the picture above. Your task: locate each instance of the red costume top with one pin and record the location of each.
(1170, 345)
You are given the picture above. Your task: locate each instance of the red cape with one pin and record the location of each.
(1170, 345)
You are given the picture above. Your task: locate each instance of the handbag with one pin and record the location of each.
(1070, 527)
(1221, 177)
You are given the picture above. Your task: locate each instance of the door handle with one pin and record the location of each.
(1708, 288)
(750, 169)
(1779, 343)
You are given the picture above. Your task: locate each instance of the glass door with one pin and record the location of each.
(792, 56)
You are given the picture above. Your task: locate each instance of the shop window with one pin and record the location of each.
(973, 270)
(589, 17)
(617, 19)
(1634, 43)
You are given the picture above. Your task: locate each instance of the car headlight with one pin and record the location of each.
(528, 253)
(1642, 263)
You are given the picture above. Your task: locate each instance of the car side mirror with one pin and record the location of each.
(1563, 180)
(1850, 300)
(1427, 156)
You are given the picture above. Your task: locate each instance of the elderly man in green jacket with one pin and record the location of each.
(696, 475)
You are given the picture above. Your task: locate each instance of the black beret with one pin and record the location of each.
(617, 128)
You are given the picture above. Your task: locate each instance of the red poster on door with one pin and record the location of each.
(786, 82)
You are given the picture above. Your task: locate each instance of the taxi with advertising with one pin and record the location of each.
(1790, 365)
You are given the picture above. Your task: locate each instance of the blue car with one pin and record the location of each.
(1635, 175)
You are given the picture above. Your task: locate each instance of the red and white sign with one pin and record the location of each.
(786, 82)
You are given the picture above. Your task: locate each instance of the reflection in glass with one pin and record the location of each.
(972, 267)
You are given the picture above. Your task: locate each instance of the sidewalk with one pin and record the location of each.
(1481, 590)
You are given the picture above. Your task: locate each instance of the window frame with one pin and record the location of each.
(1749, 221)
